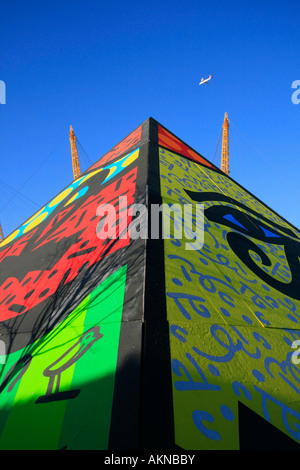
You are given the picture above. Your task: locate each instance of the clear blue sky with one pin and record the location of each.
(105, 67)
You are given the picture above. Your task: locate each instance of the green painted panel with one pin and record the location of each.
(66, 392)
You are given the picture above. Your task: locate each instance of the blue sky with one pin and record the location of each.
(105, 67)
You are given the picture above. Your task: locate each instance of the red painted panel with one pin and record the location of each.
(166, 139)
(123, 146)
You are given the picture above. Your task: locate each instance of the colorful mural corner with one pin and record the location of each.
(114, 342)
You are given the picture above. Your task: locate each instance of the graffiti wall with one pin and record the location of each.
(233, 308)
(64, 294)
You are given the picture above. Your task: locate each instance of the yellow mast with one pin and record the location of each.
(225, 146)
(75, 161)
(1, 234)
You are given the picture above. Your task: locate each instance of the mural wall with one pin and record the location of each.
(64, 294)
(233, 308)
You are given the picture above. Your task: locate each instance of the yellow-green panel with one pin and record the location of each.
(233, 310)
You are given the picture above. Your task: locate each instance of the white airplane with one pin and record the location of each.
(205, 81)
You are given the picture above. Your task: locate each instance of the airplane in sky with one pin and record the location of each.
(205, 81)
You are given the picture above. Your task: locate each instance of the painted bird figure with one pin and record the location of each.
(68, 359)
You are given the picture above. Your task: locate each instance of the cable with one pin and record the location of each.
(266, 160)
(18, 193)
(212, 160)
(30, 177)
(84, 153)
(66, 176)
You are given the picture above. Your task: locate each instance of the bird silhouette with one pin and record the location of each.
(70, 357)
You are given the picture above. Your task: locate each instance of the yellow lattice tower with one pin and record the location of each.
(75, 161)
(1, 234)
(225, 146)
